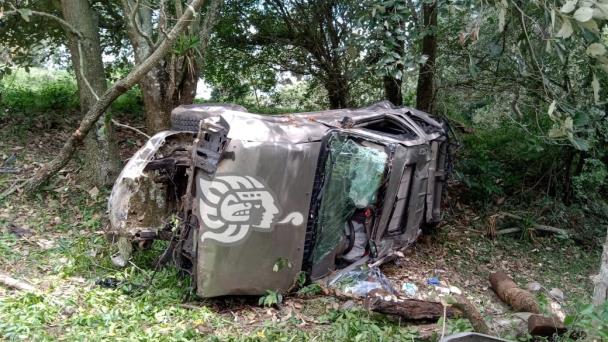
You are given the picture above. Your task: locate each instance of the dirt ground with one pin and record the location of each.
(54, 241)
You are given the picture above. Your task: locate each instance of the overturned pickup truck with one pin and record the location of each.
(249, 202)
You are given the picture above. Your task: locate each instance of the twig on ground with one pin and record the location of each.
(118, 124)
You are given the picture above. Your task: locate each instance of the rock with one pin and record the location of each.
(119, 261)
(557, 294)
(534, 286)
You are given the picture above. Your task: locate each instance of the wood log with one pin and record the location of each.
(539, 325)
(11, 282)
(506, 289)
(412, 309)
(471, 313)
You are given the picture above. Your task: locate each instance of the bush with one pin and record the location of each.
(21, 99)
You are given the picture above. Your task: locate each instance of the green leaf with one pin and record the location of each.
(25, 13)
(579, 143)
(566, 30)
(595, 84)
(583, 14)
(596, 49)
(569, 6)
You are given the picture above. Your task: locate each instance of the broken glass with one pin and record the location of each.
(353, 174)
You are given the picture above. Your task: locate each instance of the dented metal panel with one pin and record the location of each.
(286, 173)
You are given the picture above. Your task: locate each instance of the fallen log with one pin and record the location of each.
(11, 282)
(412, 309)
(506, 289)
(539, 325)
(535, 226)
(471, 313)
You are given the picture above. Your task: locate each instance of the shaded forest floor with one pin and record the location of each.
(54, 240)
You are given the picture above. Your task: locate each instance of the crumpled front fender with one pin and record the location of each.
(139, 205)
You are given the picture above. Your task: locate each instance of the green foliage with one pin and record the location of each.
(455, 326)
(360, 326)
(310, 290)
(271, 298)
(589, 182)
(280, 264)
(30, 93)
(593, 321)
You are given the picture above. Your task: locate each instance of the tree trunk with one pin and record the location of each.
(392, 85)
(392, 90)
(425, 90)
(173, 82)
(337, 91)
(601, 280)
(101, 154)
(120, 87)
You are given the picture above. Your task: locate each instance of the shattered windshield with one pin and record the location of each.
(353, 174)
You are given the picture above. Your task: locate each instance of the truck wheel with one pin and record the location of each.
(187, 117)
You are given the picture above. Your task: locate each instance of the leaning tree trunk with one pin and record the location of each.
(600, 291)
(425, 90)
(102, 162)
(120, 87)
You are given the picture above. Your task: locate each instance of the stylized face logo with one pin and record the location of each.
(232, 205)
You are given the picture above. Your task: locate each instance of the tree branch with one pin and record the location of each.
(97, 109)
(65, 24)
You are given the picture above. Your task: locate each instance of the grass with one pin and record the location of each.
(74, 307)
(141, 306)
(67, 257)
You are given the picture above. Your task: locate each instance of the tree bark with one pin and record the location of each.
(600, 290)
(337, 91)
(98, 108)
(411, 309)
(506, 289)
(425, 90)
(392, 90)
(172, 82)
(392, 85)
(102, 162)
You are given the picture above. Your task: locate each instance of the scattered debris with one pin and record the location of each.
(20, 231)
(362, 281)
(455, 290)
(108, 283)
(409, 289)
(433, 281)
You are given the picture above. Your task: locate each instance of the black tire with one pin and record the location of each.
(187, 122)
(187, 118)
